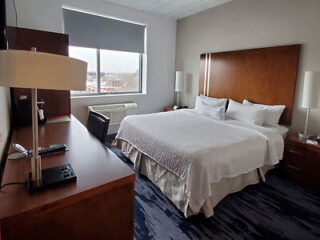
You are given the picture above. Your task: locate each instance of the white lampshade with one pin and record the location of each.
(29, 69)
(311, 90)
(179, 81)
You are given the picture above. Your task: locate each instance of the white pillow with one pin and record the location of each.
(211, 101)
(273, 115)
(216, 112)
(245, 113)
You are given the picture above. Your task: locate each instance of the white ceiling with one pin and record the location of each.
(170, 8)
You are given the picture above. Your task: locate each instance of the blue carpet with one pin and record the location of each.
(277, 209)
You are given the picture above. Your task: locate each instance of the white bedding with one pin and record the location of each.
(201, 150)
(282, 130)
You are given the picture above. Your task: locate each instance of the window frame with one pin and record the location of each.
(99, 93)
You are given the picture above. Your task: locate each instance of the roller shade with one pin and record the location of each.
(87, 30)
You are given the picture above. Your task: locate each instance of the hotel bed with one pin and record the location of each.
(196, 160)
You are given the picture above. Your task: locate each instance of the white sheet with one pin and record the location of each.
(174, 188)
(201, 150)
(282, 130)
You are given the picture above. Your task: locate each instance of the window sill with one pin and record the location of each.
(107, 95)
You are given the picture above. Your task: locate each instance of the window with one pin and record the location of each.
(88, 55)
(110, 71)
(114, 50)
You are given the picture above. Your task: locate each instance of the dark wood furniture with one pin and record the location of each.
(302, 162)
(263, 75)
(99, 205)
(168, 109)
(3, 24)
(57, 102)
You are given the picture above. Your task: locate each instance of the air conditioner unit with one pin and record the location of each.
(116, 112)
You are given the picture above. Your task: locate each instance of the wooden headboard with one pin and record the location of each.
(263, 75)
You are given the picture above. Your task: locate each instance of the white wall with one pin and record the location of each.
(243, 24)
(161, 40)
(4, 117)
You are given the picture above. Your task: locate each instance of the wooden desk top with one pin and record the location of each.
(97, 168)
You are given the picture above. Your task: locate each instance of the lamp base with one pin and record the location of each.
(52, 177)
(304, 135)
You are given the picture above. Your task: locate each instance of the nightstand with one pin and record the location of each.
(302, 162)
(169, 109)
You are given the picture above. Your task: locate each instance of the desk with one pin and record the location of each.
(99, 205)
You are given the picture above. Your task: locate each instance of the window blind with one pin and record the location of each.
(87, 30)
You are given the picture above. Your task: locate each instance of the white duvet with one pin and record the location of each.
(199, 149)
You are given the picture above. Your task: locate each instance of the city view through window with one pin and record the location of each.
(119, 72)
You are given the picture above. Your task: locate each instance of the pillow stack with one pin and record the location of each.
(245, 113)
(213, 107)
(217, 102)
(248, 112)
(273, 112)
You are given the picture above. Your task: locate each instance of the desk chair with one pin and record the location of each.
(98, 125)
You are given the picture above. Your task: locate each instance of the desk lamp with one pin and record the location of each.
(310, 96)
(38, 70)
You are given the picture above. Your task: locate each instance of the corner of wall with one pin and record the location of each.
(5, 110)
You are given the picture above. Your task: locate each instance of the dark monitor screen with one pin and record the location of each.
(3, 42)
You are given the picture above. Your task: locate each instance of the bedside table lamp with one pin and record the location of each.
(310, 96)
(178, 85)
(38, 70)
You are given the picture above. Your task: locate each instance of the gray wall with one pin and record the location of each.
(161, 36)
(243, 24)
(4, 117)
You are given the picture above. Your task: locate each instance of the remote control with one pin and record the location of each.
(51, 149)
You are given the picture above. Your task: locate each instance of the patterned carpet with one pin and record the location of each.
(276, 209)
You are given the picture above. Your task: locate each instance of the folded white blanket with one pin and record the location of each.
(199, 149)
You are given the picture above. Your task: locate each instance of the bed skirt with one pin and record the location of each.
(171, 185)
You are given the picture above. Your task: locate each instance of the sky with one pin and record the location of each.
(111, 61)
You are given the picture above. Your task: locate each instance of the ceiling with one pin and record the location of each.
(170, 8)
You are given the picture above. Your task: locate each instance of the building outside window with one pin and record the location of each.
(110, 71)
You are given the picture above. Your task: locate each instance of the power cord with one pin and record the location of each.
(15, 10)
(12, 183)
